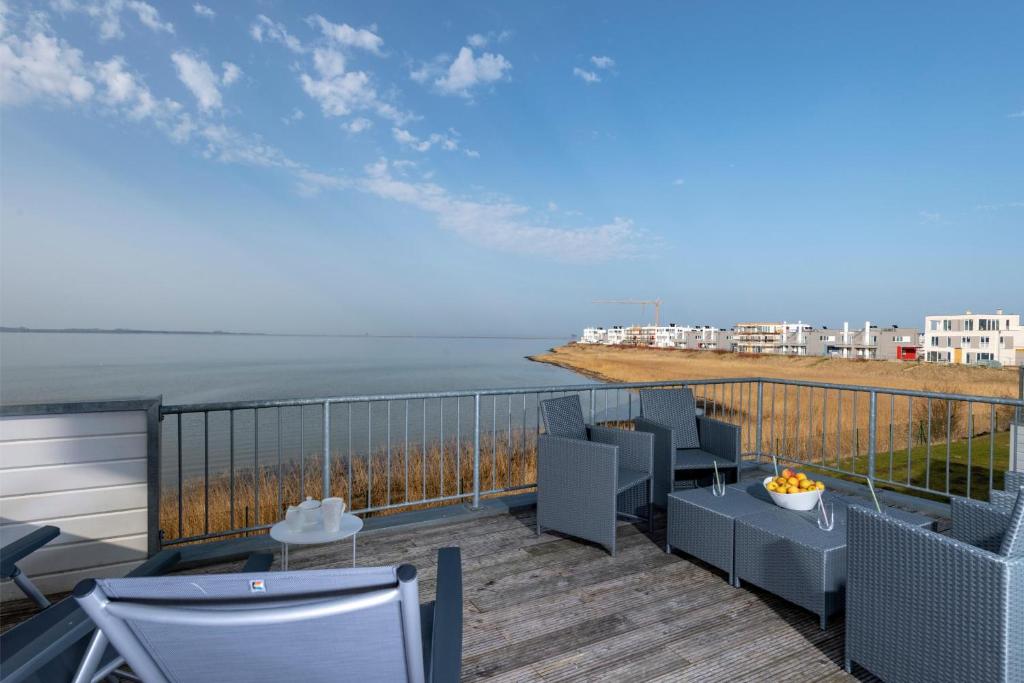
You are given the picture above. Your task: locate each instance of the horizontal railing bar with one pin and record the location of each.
(274, 403)
(513, 391)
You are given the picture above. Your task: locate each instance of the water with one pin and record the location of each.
(202, 368)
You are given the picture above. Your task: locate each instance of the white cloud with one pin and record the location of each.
(203, 11)
(503, 225)
(123, 89)
(199, 78)
(42, 67)
(929, 217)
(296, 115)
(552, 206)
(149, 16)
(341, 92)
(357, 125)
(231, 73)
(1016, 115)
(404, 137)
(477, 40)
(108, 15)
(998, 207)
(343, 34)
(265, 29)
(587, 76)
(472, 154)
(602, 62)
(678, 182)
(467, 71)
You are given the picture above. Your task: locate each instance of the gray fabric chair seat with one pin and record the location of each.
(629, 478)
(698, 459)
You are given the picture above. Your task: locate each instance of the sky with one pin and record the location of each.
(494, 168)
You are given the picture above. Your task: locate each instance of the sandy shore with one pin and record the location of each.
(627, 364)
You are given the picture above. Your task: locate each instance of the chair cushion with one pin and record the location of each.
(674, 408)
(695, 458)
(563, 417)
(630, 478)
(1013, 541)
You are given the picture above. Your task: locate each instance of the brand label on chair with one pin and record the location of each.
(257, 586)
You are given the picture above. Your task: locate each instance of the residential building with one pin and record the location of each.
(869, 342)
(971, 338)
(770, 337)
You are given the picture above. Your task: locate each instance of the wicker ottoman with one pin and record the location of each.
(701, 524)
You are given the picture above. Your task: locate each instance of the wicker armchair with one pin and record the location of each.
(921, 606)
(588, 476)
(684, 442)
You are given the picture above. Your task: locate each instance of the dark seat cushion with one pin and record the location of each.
(697, 459)
(630, 478)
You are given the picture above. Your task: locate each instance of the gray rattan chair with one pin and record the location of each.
(685, 442)
(921, 606)
(588, 476)
(319, 625)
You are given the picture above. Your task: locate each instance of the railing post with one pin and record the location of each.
(476, 451)
(760, 416)
(872, 437)
(592, 402)
(327, 449)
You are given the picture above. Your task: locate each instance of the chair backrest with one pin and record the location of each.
(1013, 481)
(1013, 541)
(563, 416)
(674, 408)
(324, 625)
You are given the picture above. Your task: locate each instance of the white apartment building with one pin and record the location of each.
(670, 336)
(789, 338)
(971, 338)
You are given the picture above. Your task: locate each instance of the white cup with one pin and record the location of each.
(333, 509)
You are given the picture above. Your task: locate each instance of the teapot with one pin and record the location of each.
(310, 511)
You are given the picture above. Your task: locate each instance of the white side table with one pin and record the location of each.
(285, 535)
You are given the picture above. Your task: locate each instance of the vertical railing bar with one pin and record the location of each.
(928, 449)
(181, 510)
(824, 422)
(991, 447)
(423, 451)
(326, 464)
(910, 434)
(892, 432)
(839, 427)
(302, 458)
(796, 449)
(872, 433)
(369, 454)
(524, 424)
(494, 443)
(280, 481)
(231, 466)
(441, 411)
(348, 464)
(458, 445)
(856, 434)
(476, 451)
(732, 402)
(592, 407)
(810, 422)
(949, 438)
(508, 448)
(785, 420)
(970, 437)
(206, 472)
(256, 468)
(387, 498)
(760, 418)
(405, 452)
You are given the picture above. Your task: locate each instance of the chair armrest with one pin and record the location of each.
(636, 449)
(446, 642)
(18, 549)
(1013, 481)
(719, 438)
(979, 524)
(571, 467)
(1003, 500)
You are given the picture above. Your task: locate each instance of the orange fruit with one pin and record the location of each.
(801, 476)
(793, 481)
(820, 486)
(792, 489)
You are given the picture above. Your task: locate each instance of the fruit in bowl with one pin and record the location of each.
(793, 490)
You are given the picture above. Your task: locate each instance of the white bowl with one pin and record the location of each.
(793, 501)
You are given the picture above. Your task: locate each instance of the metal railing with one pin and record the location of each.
(230, 468)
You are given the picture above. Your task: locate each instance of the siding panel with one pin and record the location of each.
(71, 451)
(70, 503)
(71, 425)
(26, 480)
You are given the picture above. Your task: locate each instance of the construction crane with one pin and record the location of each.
(638, 302)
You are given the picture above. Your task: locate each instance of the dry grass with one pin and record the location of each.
(631, 364)
(428, 478)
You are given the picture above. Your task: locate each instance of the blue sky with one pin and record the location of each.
(491, 168)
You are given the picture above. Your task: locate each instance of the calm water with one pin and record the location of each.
(199, 368)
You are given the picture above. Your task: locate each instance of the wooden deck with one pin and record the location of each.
(551, 608)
